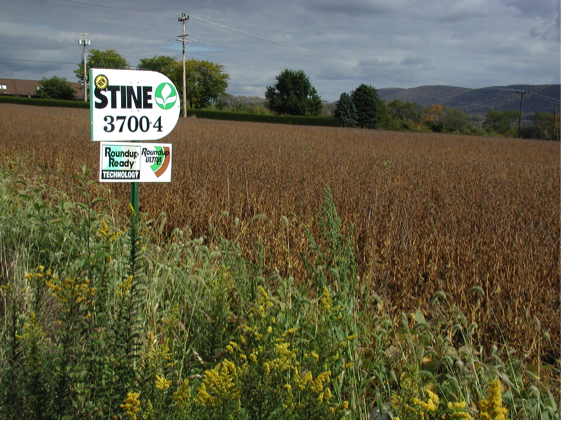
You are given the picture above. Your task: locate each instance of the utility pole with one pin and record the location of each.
(554, 133)
(182, 38)
(521, 93)
(84, 43)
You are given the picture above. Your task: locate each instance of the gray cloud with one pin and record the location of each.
(352, 8)
(384, 43)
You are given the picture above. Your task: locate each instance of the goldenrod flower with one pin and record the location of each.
(219, 385)
(491, 407)
(162, 383)
(183, 395)
(317, 385)
(326, 301)
(131, 405)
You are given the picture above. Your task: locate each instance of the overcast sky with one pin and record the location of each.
(338, 43)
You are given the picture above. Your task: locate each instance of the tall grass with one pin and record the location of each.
(188, 328)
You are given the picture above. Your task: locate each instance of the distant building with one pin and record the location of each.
(28, 88)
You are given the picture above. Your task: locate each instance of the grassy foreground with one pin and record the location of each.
(104, 321)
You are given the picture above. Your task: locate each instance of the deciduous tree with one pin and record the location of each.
(205, 81)
(97, 59)
(161, 64)
(56, 88)
(497, 122)
(548, 127)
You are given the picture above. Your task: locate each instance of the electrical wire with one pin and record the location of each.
(37, 61)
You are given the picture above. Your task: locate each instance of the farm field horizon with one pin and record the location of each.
(429, 212)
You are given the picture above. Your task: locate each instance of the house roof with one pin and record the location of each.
(24, 87)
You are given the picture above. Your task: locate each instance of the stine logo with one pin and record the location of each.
(134, 97)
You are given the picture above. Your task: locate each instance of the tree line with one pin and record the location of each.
(293, 94)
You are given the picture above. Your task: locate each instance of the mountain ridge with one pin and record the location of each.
(543, 98)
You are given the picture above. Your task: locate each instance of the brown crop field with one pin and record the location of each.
(430, 212)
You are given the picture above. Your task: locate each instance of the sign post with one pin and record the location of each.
(132, 106)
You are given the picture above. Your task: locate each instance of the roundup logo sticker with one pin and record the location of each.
(135, 162)
(166, 96)
(161, 158)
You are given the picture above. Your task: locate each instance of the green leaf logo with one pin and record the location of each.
(166, 96)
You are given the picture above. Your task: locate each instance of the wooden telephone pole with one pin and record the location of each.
(182, 38)
(521, 93)
(554, 133)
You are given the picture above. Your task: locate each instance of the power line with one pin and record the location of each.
(36, 61)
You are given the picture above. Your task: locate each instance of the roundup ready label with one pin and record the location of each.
(132, 105)
(135, 162)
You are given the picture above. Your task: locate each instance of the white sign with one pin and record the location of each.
(132, 105)
(135, 162)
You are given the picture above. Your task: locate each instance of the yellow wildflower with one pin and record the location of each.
(290, 331)
(315, 356)
(266, 368)
(162, 383)
(131, 405)
(183, 395)
(219, 385)
(491, 408)
(317, 385)
(326, 301)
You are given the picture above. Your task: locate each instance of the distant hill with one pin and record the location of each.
(477, 101)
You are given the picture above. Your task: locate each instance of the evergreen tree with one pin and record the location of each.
(366, 100)
(293, 94)
(346, 111)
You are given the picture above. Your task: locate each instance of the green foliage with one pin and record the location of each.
(265, 118)
(366, 101)
(115, 325)
(205, 82)
(346, 111)
(293, 94)
(56, 88)
(456, 121)
(43, 102)
(333, 257)
(546, 125)
(97, 59)
(501, 123)
(161, 64)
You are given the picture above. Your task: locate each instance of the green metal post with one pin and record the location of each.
(134, 200)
